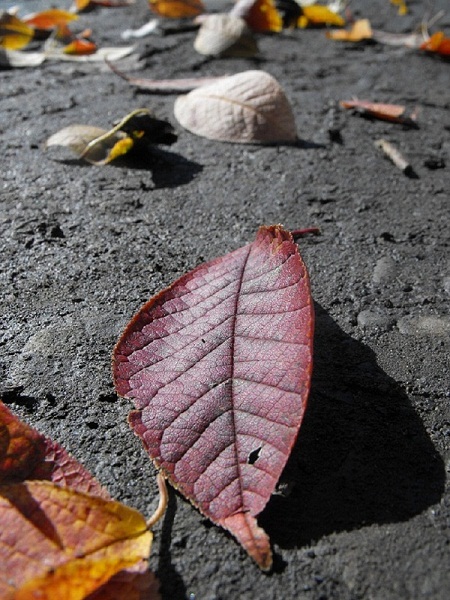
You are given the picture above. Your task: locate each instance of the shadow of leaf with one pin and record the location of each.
(168, 169)
(363, 456)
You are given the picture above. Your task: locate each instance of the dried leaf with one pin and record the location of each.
(59, 543)
(316, 15)
(27, 454)
(177, 9)
(100, 146)
(18, 59)
(129, 585)
(263, 16)
(408, 40)
(224, 35)
(50, 19)
(82, 5)
(360, 30)
(247, 108)
(437, 44)
(395, 113)
(218, 366)
(402, 7)
(80, 47)
(14, 33)
(166, 86)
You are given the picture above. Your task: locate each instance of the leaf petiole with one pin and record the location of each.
(163, 500)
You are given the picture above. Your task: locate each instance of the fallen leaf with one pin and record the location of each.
(14, 33)
(165, 86)
(27, 454)
(437, 44)
(59, 543)
(129, 585)
(360, 30)
(18, 59)
(316, 15)
(224, 35)
(50, 19)
(80, 47)
(408, 40)
(177, 9)
(402, 7)
(262, 15)
(64, 537)
(395, 113)
(218, 366)
(247, 108)
(82, 5)
(101, 146)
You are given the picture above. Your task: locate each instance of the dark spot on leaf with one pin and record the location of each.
(253, 456)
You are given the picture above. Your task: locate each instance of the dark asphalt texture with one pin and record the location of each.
(363, 507)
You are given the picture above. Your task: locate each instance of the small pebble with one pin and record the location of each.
(371, 318)
(430, 325)
(385, 270)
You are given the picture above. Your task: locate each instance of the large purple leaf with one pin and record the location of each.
(219, 366)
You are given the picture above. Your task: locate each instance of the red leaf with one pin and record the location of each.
(219, 368)
(26, 454)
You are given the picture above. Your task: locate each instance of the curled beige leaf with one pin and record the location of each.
(75, 137)
(224, 35)
(247, 108)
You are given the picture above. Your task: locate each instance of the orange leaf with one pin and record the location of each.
(14, 33)
(360, 30)
(177, 9)
(27, 454)
(59, 543)
(80, 47)
(395, 113)
(263, 16)
(438, 43)
(131, 584)
(315, 15)
(49, 19)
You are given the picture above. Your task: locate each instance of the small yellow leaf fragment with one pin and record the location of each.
(360, 30)
(316, 14)
(14, 33)
(119, 149)
(402, 7)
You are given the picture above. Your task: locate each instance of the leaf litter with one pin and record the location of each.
(218, 366)
(62, 535)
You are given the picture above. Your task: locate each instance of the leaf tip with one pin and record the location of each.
(253, 538)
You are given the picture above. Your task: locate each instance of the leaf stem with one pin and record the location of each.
(163, 500)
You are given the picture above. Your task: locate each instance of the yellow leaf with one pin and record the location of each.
(360, 30)
(58, 543)
(263, 16)
(315, 14)
(402, 8)
(119, 149)
(14, 33)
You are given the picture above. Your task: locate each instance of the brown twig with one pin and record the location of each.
(396, 157)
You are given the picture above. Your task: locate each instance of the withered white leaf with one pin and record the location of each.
(101, 146)
(224, 35)
(248, 108)
(86, 141)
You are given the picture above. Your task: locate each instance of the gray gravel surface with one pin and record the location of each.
(363, 508)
